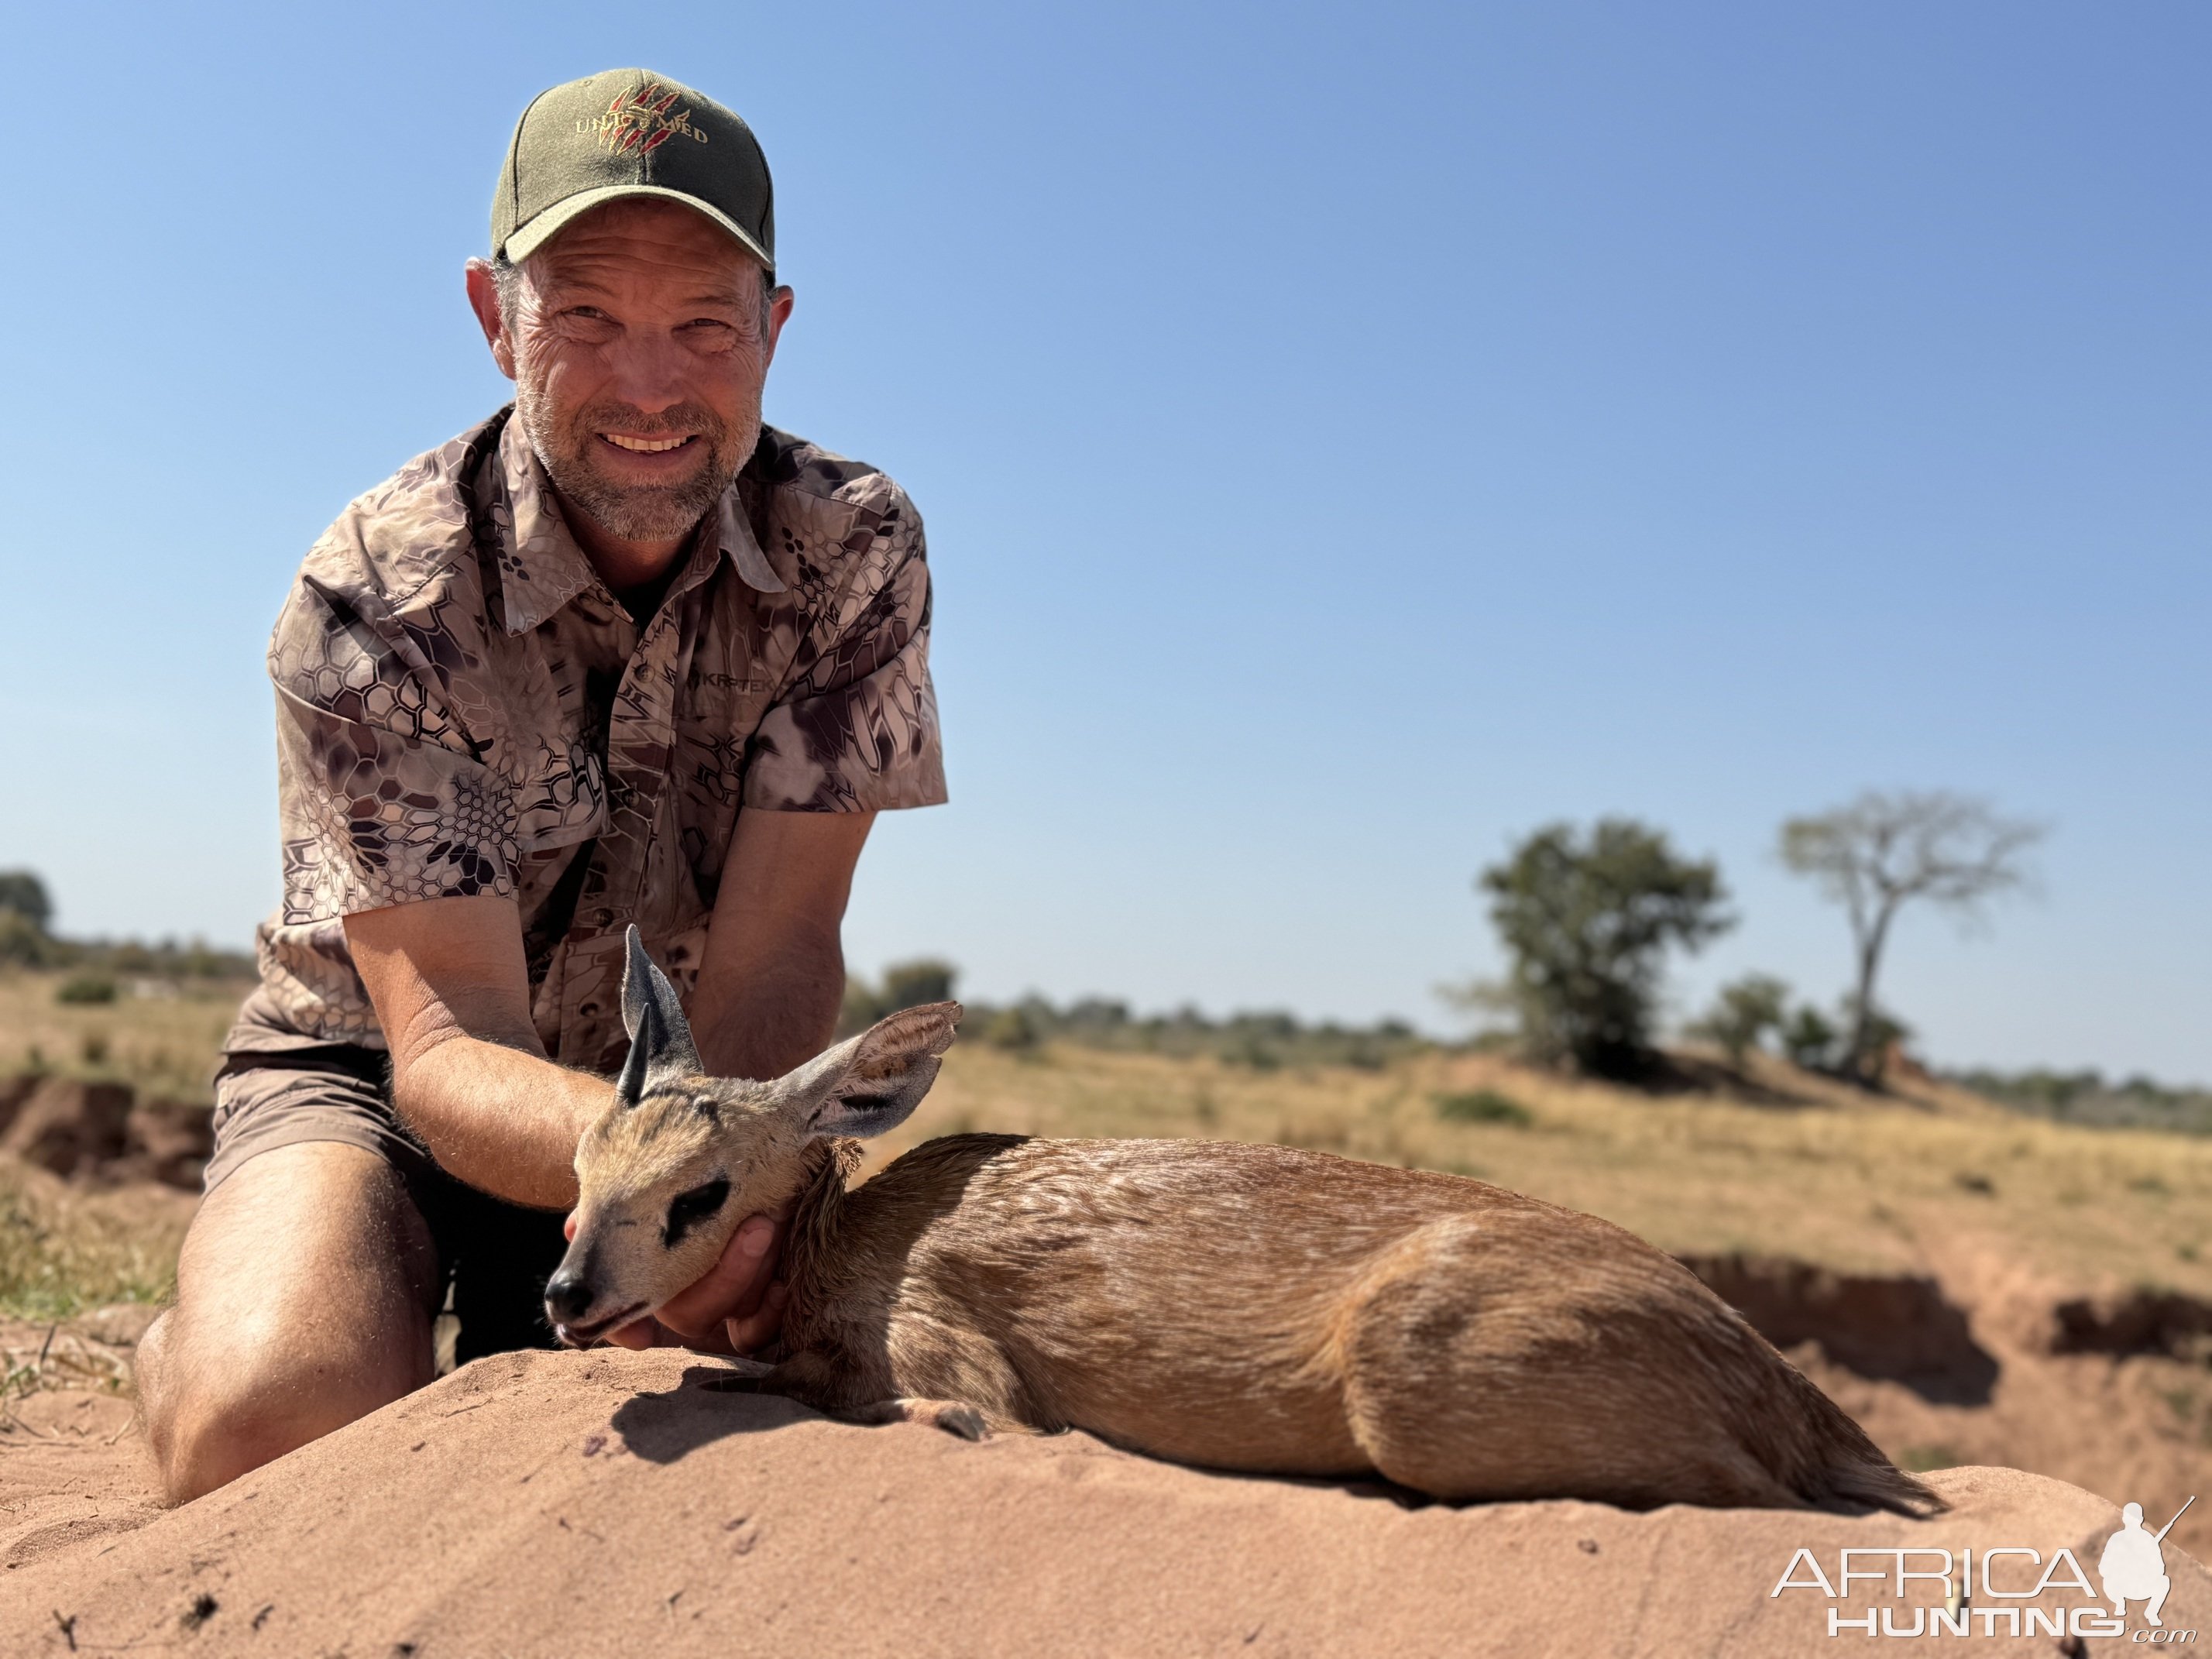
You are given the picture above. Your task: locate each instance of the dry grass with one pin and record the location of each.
(163, 1044)
(66, 1249)
(1837, 1178)
(63, 1249)
(49, 1358)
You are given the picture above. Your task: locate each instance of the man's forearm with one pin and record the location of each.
(500, 1119)
(772, 977)
(767, 1012)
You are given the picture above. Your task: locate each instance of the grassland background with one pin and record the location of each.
(1779, 1162)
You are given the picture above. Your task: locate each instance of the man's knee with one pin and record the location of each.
(216, 1410)
(303, 1298)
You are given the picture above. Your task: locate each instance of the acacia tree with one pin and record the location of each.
(1587, 923)
(1881, 853)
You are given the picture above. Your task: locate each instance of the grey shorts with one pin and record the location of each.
(493, 1256)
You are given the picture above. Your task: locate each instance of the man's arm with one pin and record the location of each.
(772, 977)
(452, 991)
(452, 994)
(468, 1073)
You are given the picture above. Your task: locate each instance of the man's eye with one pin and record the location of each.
(688, 1209)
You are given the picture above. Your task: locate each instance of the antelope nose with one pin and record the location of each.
(568, 1298)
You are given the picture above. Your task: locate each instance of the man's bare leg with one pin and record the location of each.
(303, 1301)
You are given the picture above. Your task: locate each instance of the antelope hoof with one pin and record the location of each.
(963, 1420)
(951, 1416)
(743, 1377)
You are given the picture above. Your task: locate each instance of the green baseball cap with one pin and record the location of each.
(630, 133)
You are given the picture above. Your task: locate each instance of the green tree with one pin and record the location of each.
(1742, 1013)
(23, 892)
(1587, 922)
(1883, 852)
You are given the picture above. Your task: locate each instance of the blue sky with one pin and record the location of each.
(1349, 436)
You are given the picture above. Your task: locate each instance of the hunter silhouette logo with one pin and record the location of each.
(638, 122)
(2133, 1565)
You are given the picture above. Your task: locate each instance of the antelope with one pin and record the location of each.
(1233, 1306)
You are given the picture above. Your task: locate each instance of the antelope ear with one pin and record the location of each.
(874, 1082)
(660, 1046)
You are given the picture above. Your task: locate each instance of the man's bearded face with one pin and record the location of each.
(570, 445)
(641, 352)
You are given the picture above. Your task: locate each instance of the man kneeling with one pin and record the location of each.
(619, 654)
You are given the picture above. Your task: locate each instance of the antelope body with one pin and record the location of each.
(1237, 1306)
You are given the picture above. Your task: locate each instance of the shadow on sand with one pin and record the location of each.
(711, 1403)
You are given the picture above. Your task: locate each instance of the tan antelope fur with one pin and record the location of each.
(1237, 1306)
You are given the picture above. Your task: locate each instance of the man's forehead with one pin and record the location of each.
(622, 241)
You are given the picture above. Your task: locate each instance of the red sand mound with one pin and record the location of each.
(609, 1502)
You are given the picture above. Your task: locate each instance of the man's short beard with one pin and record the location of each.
(649, 512)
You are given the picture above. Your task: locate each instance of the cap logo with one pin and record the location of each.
(640, 122)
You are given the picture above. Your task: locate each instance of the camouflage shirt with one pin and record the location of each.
(463, 707)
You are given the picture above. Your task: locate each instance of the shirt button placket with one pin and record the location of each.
(641, 741)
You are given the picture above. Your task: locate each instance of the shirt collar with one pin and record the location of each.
(737, 540)
(547, 569)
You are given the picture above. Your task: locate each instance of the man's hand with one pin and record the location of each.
(737, 1308)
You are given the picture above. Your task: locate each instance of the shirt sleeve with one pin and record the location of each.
(382, 798)
(854, 728)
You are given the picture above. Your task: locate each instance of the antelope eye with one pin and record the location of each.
(688, 1210)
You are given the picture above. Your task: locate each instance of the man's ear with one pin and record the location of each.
(778, 313)
(872, 1083)
(484, 300)
(660, 1046)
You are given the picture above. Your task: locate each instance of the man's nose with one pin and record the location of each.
(650, 374)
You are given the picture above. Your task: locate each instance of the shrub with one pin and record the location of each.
(1483, 1106)
(1247, 1046)
(1742, 1013)
(22, 943)
(910, 984)
(906, 985)
(1010, 1029)
(1808, 1039)
(86, 988)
